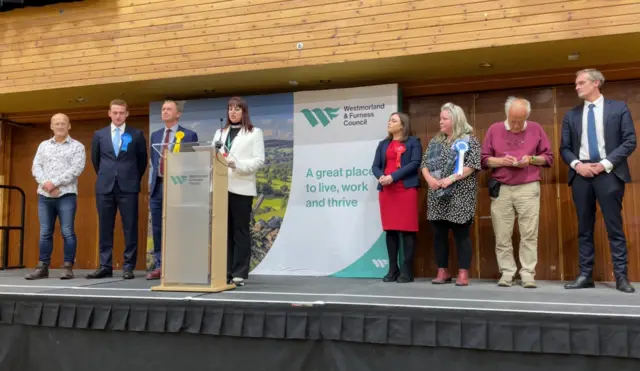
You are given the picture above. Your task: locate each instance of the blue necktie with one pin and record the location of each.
(116, 142)
(594, 153)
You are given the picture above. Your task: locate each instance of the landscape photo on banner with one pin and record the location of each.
(317, 211)
(273, 114)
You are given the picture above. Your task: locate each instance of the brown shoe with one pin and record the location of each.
(42, 271)
(154, 274)
(463, 278)
(67, 271)
(442, 277)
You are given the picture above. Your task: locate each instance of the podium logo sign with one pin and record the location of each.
(319, 116)
(188, 179)
(179, 179)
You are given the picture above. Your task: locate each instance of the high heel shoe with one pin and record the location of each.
(391, 276)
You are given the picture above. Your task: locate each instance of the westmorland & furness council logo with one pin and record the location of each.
(320, 116)
(179, 179)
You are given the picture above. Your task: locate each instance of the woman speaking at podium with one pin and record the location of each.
(242, 144)
(396, 166)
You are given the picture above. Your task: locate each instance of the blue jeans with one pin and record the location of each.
(63, 208)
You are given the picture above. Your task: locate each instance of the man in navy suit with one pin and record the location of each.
(597, 138)
(119, 156)
(171, 111)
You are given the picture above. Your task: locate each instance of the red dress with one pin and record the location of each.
(398, 205)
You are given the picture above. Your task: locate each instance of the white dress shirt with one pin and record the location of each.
(113, 132)
(598, 112)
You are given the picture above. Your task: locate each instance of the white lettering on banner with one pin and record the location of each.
(380, 263)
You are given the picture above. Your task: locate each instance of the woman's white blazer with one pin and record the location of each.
(247, 150)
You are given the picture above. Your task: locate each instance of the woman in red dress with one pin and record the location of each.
(396, 167)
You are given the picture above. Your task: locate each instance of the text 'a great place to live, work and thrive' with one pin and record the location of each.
(336, 187)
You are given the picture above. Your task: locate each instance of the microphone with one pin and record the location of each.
(218, 144)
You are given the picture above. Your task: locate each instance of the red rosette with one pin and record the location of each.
(400, 149)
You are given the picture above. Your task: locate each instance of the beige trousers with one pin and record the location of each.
(522, 201)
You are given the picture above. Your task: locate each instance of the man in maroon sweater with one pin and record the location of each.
(514, 150)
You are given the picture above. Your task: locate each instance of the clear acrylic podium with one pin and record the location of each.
(194, 218)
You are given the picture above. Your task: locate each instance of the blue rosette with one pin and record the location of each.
(461, 147)
(126, 139)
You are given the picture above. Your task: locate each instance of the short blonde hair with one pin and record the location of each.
(119, 102)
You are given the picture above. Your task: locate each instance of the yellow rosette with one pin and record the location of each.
(179, 136)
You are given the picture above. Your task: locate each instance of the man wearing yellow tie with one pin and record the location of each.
(168, 136)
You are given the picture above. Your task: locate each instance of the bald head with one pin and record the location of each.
(60, 117)
(60, 125)
(517, 110)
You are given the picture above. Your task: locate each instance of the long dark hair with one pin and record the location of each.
(406, 125)
(246, 120)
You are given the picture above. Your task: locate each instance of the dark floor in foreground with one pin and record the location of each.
(550, 296)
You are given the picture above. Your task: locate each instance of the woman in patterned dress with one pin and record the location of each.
(451, 199)
(396, 166)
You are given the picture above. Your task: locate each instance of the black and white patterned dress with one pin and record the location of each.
(460, 206)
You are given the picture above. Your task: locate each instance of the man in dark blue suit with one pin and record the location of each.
(171, 111)
(597, 138)
(119, 156)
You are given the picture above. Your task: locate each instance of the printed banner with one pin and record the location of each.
(317, 211)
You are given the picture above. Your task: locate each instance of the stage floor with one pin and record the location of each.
(480, 296)
(320, 323)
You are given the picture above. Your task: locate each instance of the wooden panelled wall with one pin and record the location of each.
(558, 243)
(25, 142)
(109, 41)
(558, 254)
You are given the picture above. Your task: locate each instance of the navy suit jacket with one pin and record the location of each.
(128, 168)
(409, 162)
(619, 137)
(156, 138)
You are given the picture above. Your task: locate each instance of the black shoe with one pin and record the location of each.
(391, 276)
(622, 284)
(582, 282)
(404, 278)
(101, 272)
(128, 275)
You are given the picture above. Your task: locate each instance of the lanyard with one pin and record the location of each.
(229, 141)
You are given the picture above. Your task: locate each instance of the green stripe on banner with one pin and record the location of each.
(310, 117)
(373, 264)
